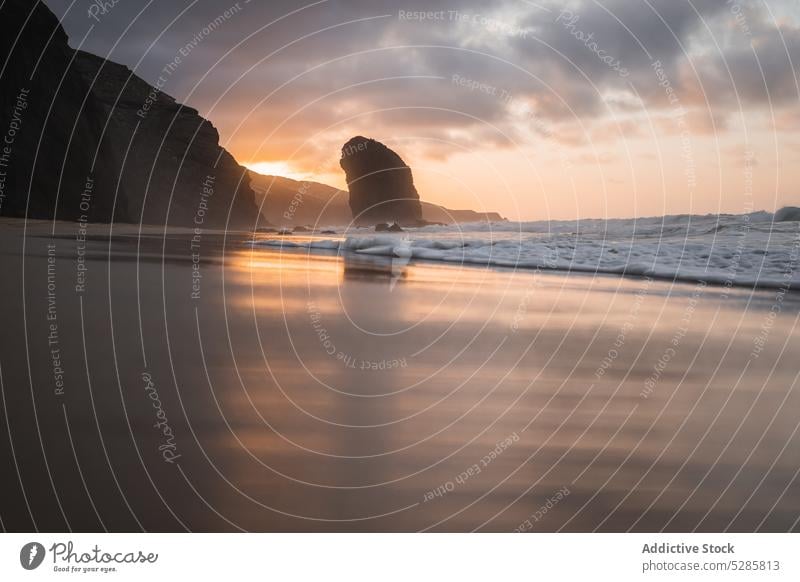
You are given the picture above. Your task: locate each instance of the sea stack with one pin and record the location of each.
(380, 183)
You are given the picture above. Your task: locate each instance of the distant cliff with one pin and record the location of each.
(86, 138)
(436, 213)
(287, 202)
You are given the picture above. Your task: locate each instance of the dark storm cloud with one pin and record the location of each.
(585, 63)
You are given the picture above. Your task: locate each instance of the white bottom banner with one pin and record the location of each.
(353, 557)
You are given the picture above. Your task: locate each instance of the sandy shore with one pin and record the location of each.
(163, 383)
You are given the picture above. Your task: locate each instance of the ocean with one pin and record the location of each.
(759, 249)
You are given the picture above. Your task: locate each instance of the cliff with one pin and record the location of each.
(436, 213)
(287, 202)
(93, 141)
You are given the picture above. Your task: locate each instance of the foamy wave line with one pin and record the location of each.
(512, 254)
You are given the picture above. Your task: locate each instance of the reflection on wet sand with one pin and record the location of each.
(379, 269)
(325, 392)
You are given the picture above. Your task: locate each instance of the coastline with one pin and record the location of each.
(426, 397)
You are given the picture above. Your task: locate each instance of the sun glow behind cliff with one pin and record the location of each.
(276, 168)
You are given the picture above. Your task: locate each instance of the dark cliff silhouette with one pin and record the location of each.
(90, 140)
(380, 183)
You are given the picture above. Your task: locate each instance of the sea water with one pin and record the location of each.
(759, 249)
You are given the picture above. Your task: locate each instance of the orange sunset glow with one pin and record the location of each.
(528, 109)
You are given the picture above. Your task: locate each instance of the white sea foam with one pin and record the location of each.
(758, 249)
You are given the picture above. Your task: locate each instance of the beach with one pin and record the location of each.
(169, 379)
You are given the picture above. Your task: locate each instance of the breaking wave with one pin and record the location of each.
(754, 250)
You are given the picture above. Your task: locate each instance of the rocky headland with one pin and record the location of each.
(86, 139)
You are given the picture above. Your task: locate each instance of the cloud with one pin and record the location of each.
(341, 68)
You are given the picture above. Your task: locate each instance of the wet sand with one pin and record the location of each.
(250, 389)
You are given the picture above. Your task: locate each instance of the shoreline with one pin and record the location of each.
(244, 239)
(306, 392)
(713, 281)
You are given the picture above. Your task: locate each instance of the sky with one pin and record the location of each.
(537, 110)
